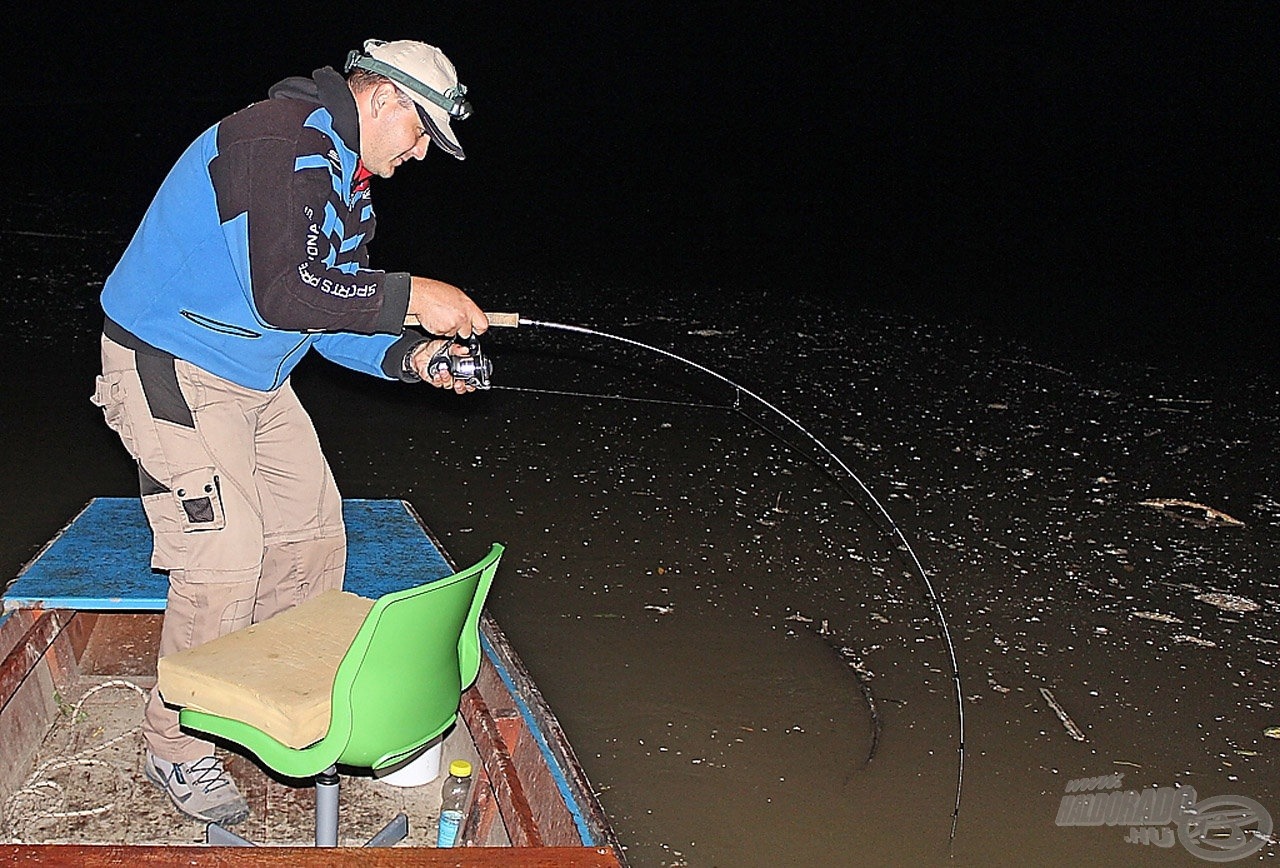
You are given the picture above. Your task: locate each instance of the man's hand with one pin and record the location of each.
(443, 309)
(442, 380)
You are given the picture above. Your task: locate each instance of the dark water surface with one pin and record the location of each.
(704, 599)
(694, 593)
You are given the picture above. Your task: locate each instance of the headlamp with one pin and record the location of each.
(452, 100)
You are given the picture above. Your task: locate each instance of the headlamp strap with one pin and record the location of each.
(451, 100)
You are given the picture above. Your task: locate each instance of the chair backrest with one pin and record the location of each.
(401, 681)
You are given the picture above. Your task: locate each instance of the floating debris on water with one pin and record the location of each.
(1156, 616)
(1195, 513)
(1272, 732)
(1195, 640)
(1229, 602)
(1067, 723)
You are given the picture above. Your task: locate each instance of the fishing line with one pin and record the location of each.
(599, 397)
(739, 391)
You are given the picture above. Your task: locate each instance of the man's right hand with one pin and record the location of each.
(443, 309)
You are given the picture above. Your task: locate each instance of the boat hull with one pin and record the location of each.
(532, 804)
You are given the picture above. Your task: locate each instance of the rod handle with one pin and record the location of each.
(500, 320)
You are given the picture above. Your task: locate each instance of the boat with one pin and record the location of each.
(81, 622)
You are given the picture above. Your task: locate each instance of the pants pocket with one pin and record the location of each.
(199, 500)
(109, 397)
(168, 544)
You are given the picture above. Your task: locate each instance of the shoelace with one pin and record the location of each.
(208, 774)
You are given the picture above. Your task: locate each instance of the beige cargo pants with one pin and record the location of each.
(245, 515)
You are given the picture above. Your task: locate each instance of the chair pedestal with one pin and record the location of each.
(327, 807)
(326, 821)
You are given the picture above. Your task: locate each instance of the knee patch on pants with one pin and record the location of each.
(203, 606)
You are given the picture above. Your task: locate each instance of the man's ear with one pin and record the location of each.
(382, 97)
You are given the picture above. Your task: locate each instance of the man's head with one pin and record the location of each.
(406, 93)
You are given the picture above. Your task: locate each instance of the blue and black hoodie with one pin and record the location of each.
(255, 248)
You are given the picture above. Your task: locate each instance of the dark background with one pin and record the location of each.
(1096, 181)
(1092, 179)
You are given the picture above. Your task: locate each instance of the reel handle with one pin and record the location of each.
(472, 367)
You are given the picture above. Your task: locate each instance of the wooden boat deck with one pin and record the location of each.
(70, 705)
(87, 783)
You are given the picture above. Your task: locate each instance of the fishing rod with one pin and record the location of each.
(514, 320)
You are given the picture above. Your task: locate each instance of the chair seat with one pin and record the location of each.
(276, 675)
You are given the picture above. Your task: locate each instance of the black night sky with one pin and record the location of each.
(1096, 177)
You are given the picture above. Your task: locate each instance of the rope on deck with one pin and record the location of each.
(24, 808)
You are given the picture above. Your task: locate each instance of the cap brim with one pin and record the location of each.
(436, 120)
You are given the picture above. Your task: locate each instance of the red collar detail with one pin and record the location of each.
(360, 180)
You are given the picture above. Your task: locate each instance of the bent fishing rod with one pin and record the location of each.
(475, 368)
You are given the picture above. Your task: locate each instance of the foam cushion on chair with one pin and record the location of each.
(276, 675)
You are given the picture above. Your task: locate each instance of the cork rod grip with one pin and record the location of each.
(498, 320)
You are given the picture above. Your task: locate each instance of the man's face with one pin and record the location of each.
(391, 134)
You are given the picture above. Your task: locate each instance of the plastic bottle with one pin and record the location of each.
(453, 800)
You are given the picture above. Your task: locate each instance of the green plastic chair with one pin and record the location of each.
(398, 687)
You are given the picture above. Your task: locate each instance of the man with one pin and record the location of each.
(253, 252)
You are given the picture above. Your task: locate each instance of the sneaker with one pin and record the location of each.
(201, 788)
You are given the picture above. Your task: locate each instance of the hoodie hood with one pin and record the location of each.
(328, 88)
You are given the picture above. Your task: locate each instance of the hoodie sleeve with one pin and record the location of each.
(378, 355)
(306, 268)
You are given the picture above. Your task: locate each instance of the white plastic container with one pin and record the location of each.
(417, 770)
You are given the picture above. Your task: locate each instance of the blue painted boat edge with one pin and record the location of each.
(557, 773)
(389, 548)
(88, 604)
(585, 834)
(48, 543)
(8, 605)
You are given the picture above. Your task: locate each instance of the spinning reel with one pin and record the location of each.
(472, 368)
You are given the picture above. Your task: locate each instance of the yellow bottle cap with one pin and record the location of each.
(460, 769)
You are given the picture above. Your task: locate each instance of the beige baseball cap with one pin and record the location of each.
(423, 73)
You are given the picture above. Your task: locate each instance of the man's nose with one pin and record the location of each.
(420, 149)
